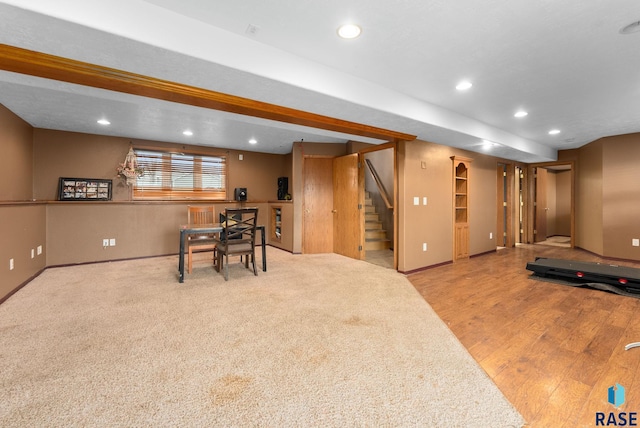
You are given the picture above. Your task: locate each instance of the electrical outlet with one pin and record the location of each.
(39, 249)
(635, 242)
(112, 242)
(424, 200)
(105, 242)
(10, 264)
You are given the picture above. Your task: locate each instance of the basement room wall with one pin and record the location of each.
(563, 203)
(75, 229)
(426, 170)
(620, 196)
(588, 197)
(22, 220)
(72, 154)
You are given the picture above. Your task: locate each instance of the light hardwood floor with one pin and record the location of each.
(553, 350)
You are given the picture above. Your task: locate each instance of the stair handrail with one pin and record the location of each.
(381, 188)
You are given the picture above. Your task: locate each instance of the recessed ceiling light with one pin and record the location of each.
(253, 141)
(464, 85)
(521, 113)
(187, 133)
(349, 31)
(487, 145)
(634, 27)
(104, 122)
(554, 132)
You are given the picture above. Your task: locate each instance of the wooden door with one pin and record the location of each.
(348, 221)
(317, 217)
(501, 208)
(540, 225)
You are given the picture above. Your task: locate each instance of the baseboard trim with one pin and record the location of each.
(613, 259)
(15, 290)
(483, 254)
(409, 272)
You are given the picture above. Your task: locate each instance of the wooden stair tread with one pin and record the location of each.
(375, 235)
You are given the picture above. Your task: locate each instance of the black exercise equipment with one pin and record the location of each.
(616, 279)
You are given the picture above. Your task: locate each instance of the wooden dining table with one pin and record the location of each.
(205, 229)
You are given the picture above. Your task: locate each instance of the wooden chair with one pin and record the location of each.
(238, 238)
(199, 243)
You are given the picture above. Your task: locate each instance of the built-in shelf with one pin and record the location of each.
(461, 168)
(276, 224)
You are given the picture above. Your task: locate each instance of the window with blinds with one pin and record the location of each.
(180, 176)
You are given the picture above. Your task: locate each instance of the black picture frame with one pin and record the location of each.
(84, 189)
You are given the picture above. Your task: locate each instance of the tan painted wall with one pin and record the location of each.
(75, 230)
(483, 203)
(71, 154)
(22, 228)
(589, 175)
(433, 223)
(16, 174)
(621, 196)
(608, 191)
(22, 224)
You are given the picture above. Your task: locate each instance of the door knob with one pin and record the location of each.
(334, 211)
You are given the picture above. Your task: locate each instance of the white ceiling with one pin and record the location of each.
(565, 62)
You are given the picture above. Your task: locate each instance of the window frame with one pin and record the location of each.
(168, 191)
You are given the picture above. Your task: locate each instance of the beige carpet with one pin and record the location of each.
(318, 340)
(557, 241)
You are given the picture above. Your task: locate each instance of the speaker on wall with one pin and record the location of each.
(283, 187)
(241, 193)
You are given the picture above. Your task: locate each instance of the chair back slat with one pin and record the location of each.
(200, 215)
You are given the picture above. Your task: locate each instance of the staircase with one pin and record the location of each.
(375, 237)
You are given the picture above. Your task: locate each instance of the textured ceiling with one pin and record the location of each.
(564, 62)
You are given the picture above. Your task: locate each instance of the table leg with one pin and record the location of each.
(181, 257)
(264, 252)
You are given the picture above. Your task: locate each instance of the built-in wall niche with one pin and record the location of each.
(461, 167)
(276, 224)
(461, 196)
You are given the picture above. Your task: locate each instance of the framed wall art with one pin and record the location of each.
(84, 189)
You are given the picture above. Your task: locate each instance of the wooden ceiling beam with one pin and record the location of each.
(53, 67)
